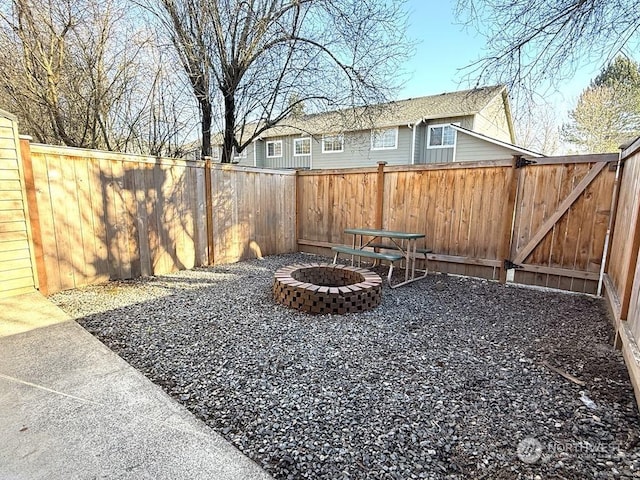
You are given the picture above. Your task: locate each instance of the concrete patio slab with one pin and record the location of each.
(25, 312)
(71, 408)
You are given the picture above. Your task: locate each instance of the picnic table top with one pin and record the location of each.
(373, 232)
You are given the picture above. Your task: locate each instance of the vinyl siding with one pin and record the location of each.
(439, 155)
(418, 154)
(492, 121)
(470, 149)
(249, 160)
(16, 259)
(357, 152)
(287, 160)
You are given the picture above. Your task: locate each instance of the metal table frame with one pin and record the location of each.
(405, 242)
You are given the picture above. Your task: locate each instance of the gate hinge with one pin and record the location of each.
(523, 162)
(508, 265)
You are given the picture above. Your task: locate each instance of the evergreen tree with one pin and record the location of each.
(608, 111)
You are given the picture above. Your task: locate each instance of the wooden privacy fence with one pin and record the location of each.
(622, 279)
(98, 215)
(548, 220)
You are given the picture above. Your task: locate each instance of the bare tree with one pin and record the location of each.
(87, 73)
(534, 42)
(538, 128)
(59, 74)
(255, 56)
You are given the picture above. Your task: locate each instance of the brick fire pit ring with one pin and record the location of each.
(327, 288)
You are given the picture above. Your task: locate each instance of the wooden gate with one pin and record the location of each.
(17, 270)
(562, 214)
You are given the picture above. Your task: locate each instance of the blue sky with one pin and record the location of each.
(445, 46)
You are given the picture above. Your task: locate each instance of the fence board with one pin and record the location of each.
(123, 215)
(561, 219)
(253, 212)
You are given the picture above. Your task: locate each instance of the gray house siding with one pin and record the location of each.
(439, 155)
(357, 152)
(286, 160)
(248, 159)
(419, 154)
(470, 149)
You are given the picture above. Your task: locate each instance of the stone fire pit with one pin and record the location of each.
(327, 288)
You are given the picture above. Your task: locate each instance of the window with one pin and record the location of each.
(301, 146)
(332, 143)
(274, 149)
(441, 136)
(384, 138)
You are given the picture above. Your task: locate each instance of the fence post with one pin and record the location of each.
(209, 208)
(508, 216)
(380, 195)
(34, 216)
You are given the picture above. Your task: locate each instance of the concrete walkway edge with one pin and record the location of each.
(71, 408)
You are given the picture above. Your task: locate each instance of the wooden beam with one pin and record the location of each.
(611, 296)
(625, 295)
(630, 150)
(522, 255)
(209, 208)
(336, 171)
(229, 167)
(450, 166)
(73, 153)
(34, 216)
(380, 195)
(484, 262)
(315, 243)
(563, 272)
(591, 158)
(631, 354)
(508, 214)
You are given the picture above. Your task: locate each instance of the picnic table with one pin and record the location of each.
(397, 246)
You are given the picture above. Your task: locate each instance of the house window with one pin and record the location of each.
(301, 146)
(332, 143)
(274, 149)
(384, 138)
(441, 136)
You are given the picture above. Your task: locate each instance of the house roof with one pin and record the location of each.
(401, 112)
(495, 141)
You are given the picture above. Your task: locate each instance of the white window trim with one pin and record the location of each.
(274, 142)
(395, 147)
(295, 140)
(324, 137)
(455, 138)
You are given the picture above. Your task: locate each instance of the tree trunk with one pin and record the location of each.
(206, 113)
(229, 123)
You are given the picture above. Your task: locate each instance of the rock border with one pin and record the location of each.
(321, 288)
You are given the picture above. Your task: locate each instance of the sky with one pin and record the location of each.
(445, 46)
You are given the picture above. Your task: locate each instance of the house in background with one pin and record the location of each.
(467, 125)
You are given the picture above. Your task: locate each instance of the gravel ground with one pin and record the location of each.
(444, 380)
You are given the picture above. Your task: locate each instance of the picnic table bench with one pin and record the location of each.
(403, 246)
